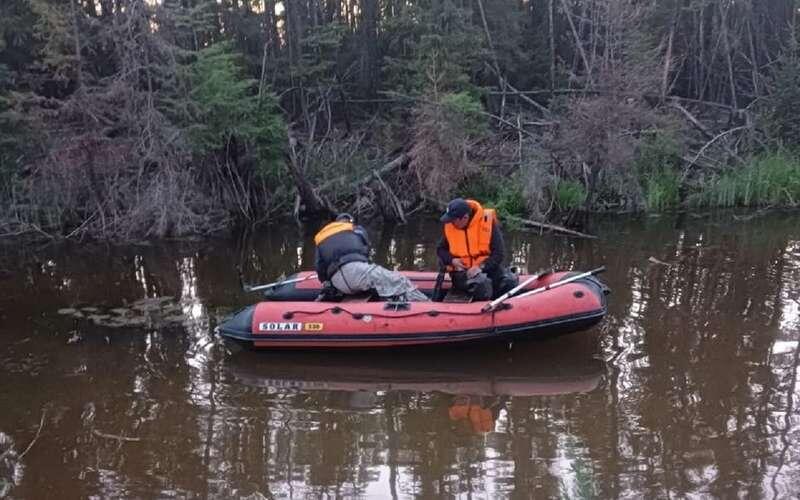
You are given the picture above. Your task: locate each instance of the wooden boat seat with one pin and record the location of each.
(455, 296)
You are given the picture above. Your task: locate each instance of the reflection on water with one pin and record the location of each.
(689, 388)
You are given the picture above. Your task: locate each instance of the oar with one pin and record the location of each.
(499, 300)
(248, 288)
(560, 283)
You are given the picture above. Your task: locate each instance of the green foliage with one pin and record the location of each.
(499, 192)
(228, 109)
(464, 111)
(658, 152)
(445, 127)
(662, 190)
(16, 33)
(780, 115)
(657, 162)
(432, 49)
(321, 46)
(193, 25)
(55, 29)
(569, 194)
(772, 179)
(12, 136)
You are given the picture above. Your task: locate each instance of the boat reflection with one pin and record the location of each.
(557, 366)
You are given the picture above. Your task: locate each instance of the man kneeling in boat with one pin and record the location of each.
(472, 249)
(342, 260)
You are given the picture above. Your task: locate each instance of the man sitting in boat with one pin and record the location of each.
(472, 249)
(342, 261)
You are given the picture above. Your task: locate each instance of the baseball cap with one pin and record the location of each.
(456, 209)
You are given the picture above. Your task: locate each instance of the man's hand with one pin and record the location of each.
(458, 264)
(473, 271)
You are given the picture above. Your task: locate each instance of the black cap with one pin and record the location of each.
(455, 210)
(344, 217)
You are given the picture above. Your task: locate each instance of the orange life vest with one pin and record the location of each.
(480, 419)
(331, 229)
(472, 244)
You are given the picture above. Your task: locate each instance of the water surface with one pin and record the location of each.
(687, 389)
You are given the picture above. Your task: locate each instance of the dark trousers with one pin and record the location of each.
(485, 286)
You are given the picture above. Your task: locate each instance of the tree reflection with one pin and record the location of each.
(697, 397)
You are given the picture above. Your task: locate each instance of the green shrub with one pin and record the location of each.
(569, 194)
(227, 107)
(778, 111)
(465, 110)
(657, 152)
(13, 137)
(501, 193)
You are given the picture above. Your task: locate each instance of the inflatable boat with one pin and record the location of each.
(545, 305)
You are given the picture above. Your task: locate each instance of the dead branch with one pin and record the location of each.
(715, 139)
(114, 436)
(527, 222)
(702, 128)
(510, 89)
(693, 120)
(38, 433)
(550, 227)
(395, 202)
(315, 202)
(396, 163)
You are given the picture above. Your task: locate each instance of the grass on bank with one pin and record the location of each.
(771, 179)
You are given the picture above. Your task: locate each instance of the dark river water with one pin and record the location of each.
(113, 384)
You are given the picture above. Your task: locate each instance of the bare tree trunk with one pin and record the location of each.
(501, 80)
(270, 27)
(753, 59)
(369, 44)
(77, 42)
(578, 42)
(701, 35)
(728, 58)
(552, 45)
(668, 58)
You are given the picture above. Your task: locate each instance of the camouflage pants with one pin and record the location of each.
(355, 277)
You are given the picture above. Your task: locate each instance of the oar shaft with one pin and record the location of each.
(278, 283)
(491, 305)
(248, 288)
(560, 283)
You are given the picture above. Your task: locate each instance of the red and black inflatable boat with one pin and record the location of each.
(290, 318)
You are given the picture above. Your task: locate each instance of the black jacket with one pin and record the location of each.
(492, 264)
(339, 249)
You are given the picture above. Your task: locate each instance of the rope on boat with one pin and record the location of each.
(433, 313)
(354, 315)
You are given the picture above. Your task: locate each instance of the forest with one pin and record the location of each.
(130, 119)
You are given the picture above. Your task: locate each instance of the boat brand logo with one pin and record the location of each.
(280, 327)
(313, 327)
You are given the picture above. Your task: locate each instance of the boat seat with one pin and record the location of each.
(455, 296)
